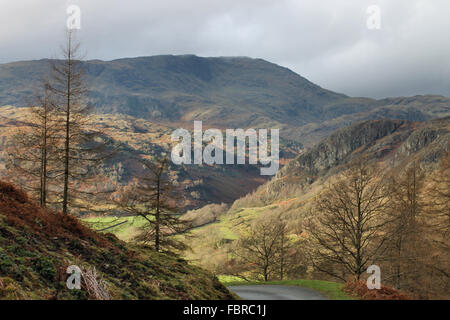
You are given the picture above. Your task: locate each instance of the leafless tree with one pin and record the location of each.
(346, 232)
(33, 149)
(263, 249)
(154, 198)
(406, 230)
(83, 147)
(284, 246)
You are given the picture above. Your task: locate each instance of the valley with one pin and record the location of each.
(139, 102)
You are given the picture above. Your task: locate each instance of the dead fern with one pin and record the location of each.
(96, 287)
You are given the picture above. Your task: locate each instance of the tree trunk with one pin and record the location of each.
(67, 138)
(43, 198)
(157, 216)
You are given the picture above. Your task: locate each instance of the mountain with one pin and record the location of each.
(224, 92)
(183, 88)
(140, 101)
(37, 247)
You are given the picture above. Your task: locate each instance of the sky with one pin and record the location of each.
(372, 48)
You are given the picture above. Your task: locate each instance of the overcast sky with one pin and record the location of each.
(326, 41)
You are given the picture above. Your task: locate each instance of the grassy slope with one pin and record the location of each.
(125, 231)
(210, 242)
(229, 224)
(36, 246)
(332, 290)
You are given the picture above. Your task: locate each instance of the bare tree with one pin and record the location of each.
(346, 233)
(33, 150)
(406, 232)
(284, 245)
(84, 148)
(437, 219)
(263, 249)
(153, 198)
(68, 87)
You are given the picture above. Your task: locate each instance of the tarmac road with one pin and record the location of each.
(276, 292)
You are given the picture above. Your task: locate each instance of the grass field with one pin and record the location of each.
(229, 225)
(332, 290)
(125, 231)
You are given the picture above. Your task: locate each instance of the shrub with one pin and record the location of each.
(359, 289)
(45, 267)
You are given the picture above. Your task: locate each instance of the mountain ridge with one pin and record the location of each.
(169, 91)
(224, 92)
(390, 141)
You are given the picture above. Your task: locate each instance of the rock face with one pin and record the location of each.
(395, 142)
(335, 149)
(429, 141)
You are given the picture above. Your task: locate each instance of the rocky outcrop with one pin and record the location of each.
(395, 142)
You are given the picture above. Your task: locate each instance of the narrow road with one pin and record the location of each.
(276, 292)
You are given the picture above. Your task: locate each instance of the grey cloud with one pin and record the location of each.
(325, 41)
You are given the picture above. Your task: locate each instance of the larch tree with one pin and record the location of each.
(33, 148)
(153, 197)
(437, 216)
(83, 147)
(406, 232)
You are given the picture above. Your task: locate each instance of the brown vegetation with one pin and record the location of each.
(359, 289)
(263, 252)
(21, 212)
(37, 245)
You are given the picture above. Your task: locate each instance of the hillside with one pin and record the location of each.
(393, 144)
(134, 137)
(224, 92)
(37, 246)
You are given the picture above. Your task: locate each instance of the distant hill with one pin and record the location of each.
(183, 87)
(231, 92)
(140, 101)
